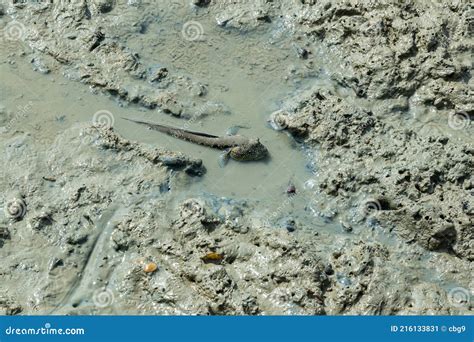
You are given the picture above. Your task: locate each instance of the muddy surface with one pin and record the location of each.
(365, 205)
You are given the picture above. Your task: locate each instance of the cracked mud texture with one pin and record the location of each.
(90, 211)
(392, 49)
(62, 195)
(422, 183)
(80, 190)
(420, 180)
(260, 272)
(73, 235)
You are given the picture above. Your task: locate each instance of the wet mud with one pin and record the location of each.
(365, 205)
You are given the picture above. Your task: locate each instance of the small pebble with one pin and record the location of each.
(201, 3)
(150, 267)
(291, 190)
(290, 225)
(212, 257)
(302, 53)
(159, 74)
(278, 121)
(328, 270)
(4, 233)
(105, 6)
(346, 227)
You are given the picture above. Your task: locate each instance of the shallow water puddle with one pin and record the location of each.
(246, 72)
(249, 75)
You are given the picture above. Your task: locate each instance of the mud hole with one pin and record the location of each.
(364, 206)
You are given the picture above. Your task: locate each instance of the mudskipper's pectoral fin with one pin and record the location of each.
(224, 158)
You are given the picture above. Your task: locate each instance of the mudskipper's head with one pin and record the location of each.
(253, 150)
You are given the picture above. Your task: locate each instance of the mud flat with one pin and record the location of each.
(365, 206)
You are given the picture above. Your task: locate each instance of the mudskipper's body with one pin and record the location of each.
(238, 147)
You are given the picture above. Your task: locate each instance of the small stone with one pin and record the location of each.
(40, 220)
(328, 215)
(290, 225)
(278, 121)
(55, 262)
(302, 53)
(70, 35)
(159, 74)
(40, 66)
(346, 227)
(150, 267)
(213, 257)
(291, 190)
(105, 6)
(328, 270)
(201, 3)
(4, 235)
